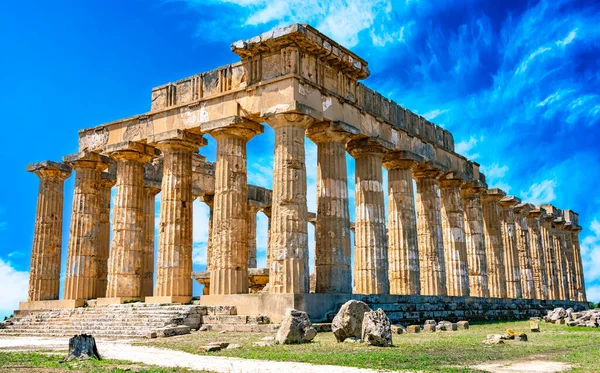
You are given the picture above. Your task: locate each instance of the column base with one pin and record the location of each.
(51, 304)
(169, 299)
(117, 300)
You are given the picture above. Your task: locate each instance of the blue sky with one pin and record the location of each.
(517, 83)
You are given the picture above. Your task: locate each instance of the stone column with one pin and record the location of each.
(209, 200)
(570, 261)
(525, 264)
(125, 258)
(581, 297)
(288, 271)
(370, 238)
(511, 252)
(267, 211)
(475, 239)
(537, 254)
(429, 231)
(229, 258)
(174, 263)
(151, 189)
(560, 257)
(44, 273)
(548, 247)
(332, 245)
(493, 241)
(252, 210)
(402, 224)
(107, 181)
(82, 266)
(453, 227)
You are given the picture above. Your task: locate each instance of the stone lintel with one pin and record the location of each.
(571, 216)
(560, 222)
(311, 217)
(536, 212)
(523, 208)
(143, 151)
(261, 196)
(87, 156)
(473, 187)
(331, 131)
(368, 145)
(301, 115)
(178, 136)
(552, 210)
(51, 304)
(62, 168)
(168, 299)
(242, 127)
(310, 41)
(401, 159)
(510, 201)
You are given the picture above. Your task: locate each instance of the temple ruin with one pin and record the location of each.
(450, 240)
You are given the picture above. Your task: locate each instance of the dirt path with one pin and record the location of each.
(123, 350)
(524, 366)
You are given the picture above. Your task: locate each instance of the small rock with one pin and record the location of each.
(534, 326)
(269, 338)
(263, 344)
(413, 329)
(348, 321)
(430, 322)
(209, 348)
(398, 329)
(352, 340)
(462, 325)
(295, 328)
(221, 345)
(223, 332)
(522, 337)
(151, 335)
(560, 322)
(376, 329)
(495, 339)
(429, 328)
(511, 334)
(233, 346)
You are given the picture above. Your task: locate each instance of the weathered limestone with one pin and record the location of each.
(571, 277)
(125, 259)
(549, 254)
(559, 254)
(332, 250)
(267, 211)
(453, 227)
(429, 231)
(151, 189)
(493, 241)
(523, 247)
(44, 273)
(475, 239)
(252, 210)
(82, 267)
(511, 252)
(403, 253)
(209, 200)
(229, 267)
(107, 181)
(572, 219)
(537, 253)
(370, 237)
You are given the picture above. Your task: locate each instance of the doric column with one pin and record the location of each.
(209, 199)
(288, 271)
(429, 231)
(267, 211)
(525, 263)
(151, 189)
(493, 241)
(571, 277)
(560, 257)
(537, 254)
(82, 265)
(453, 228)
(580, 287)
(44, 273)
(229, 257)
(174, 263)
(370, 237)
(475, 239)
(252, 210)
(125, 258)
(403, 252)
(511, 252)
(549, 254)
(332, 250)
(107, 181)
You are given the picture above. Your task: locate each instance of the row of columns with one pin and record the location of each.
(458, 239)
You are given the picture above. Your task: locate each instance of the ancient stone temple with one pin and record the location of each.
(442, 237)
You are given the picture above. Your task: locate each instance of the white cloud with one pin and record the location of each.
(550, 99)
(434, 113)
(539, 193)
(464, 148)
(590, 256)
(201, 216)
(569, 39)
(495, 171)
(14, 288)
(523, 67)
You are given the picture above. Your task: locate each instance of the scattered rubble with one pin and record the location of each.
(588, 319)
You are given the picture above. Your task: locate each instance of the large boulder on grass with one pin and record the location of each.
(295, 328)
(349, 319)
(376, 329)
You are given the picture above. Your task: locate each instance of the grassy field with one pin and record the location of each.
(43, 362)
(455, 351)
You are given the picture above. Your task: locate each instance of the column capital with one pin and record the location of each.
(178, 139)
(367, 145)
(451, 179)
(427, 171)
(559, 222)
(509, 201)
(267, 211)
(289, 120)
(89, 160)
(108, 180)
(152, 187)
(207, 198)
(239, 127)
(401, 159)
(50, 170)
(535, 213)
(472, 188)
(336, 131)
(523, 208)
(493, 194)
(131, 151)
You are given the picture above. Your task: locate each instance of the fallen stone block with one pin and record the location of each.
(352, 340)
(398, 329)
(348, 321)
(413, 329)
(430, 322)
(376, 329)
(429, 328)
(170, 331)
(233, 346)
(263, 344)
(209, 348)
(463, 325)
(494, 339)
(560, 322)
(295, 328)
(534, 326)
(221, 345)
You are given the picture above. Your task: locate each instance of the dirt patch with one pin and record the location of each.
(521, 366)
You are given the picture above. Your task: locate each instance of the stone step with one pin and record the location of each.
(235, 319)
(90, 325)
(253, 328)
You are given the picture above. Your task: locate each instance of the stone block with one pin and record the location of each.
(413, 329)
(462, 325)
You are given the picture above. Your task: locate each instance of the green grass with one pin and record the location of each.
(442, 351)
(40, 361)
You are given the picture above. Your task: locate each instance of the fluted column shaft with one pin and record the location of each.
(549, 254)
(44, 274)
(252, 210)
(209, 200)
(267, 212)
(570, 261)
(125, 259)
(511, 252)
(288, 271)
(537, 255)
(81, 277)
(494, 245)
(475, 241)
(525, 262)
(429, 233)
(559, 255)
(106, 184)
(402, 228)
(581, 297)
(455, 245)
(150, 193)
(332, 249)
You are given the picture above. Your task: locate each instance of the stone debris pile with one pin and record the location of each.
(496, 339)
(588, 319)
(442, 326)
(356, 322)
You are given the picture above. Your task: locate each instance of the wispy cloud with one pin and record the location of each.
(14, 288)
(539, 193)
